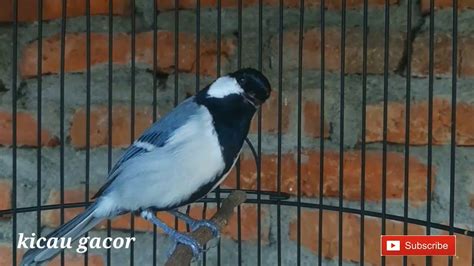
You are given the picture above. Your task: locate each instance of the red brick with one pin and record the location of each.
(26, 131)
(351, 235)
(419, 123)
(99, 126)
(312, 120)
(248, 174)
(5, 194)
(466, 59)
(354, 47)
(249, 225)
(6, 253)
(463, 251)
(28, 9)
(164, 5)
(75, 60)
(442, 55)
(310, 170)
(270, 115)
(443, 4)
(331, 4)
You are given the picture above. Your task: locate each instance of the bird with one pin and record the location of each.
(178, 160)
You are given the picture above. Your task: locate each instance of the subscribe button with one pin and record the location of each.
(395, 245)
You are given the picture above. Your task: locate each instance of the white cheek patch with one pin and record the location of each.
(224, 86)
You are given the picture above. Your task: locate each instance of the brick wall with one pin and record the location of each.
(189, 69)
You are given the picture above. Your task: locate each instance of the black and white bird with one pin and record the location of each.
(178, 160)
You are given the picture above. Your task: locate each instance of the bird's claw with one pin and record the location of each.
(206, 223)
(213, 227)
(186, 240)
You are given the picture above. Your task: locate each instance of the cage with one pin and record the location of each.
(368, 131)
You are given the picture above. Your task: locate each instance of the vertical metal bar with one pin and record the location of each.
(239, 215)
(155, 103)
(452, 176)
(197, 88)
(204, 210)
(363, 147)
(88, 107)
(39, 80)
(176, 51)
(176, 66)
(280, 122)
(341, 122)
(406, 181)
(14, 126)
(259, 139)
(430, 125)
(198, 82)
(198, 45)
(321, 139)
(239, 65)
(219, 37)
(298, 141)
(155, 61)
(61, 110)
(385, 115)
(109, 110)
(132, 116)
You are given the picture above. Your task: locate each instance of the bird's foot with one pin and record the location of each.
(195, 225)
(180, 238)
(212, 226)
(175, 235)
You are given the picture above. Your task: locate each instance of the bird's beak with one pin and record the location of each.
(252, 100)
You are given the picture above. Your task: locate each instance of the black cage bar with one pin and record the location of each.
(359, 61)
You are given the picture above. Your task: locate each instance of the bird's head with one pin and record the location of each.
(249, 83)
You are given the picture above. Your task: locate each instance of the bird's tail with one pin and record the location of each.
(73, 229)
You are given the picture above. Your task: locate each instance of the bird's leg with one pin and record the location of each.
(195, 224)
(177, 236)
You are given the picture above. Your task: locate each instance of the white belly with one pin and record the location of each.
(171, 174)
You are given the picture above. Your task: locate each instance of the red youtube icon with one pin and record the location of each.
(401, 245)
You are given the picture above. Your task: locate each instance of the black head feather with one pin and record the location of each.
(256, 86)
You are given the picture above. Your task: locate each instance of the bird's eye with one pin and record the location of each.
(242, 80)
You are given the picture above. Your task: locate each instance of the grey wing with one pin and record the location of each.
(156, 135)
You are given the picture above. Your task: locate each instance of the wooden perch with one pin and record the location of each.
(183, 254)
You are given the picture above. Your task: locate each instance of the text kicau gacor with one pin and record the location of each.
(66, 242)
